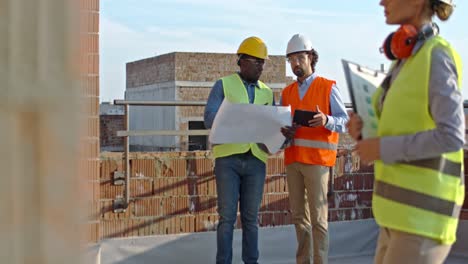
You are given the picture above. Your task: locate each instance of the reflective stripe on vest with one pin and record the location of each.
(235, 91)
(416, 199)
(314, 144)
(440, 164)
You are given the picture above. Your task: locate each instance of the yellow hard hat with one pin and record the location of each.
(253, 46)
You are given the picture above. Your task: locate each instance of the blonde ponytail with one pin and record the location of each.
(442, 10)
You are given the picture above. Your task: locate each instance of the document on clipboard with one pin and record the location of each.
(362, 83)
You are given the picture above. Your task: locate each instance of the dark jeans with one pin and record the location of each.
(239, 178)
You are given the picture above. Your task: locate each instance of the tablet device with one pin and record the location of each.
(302, 117)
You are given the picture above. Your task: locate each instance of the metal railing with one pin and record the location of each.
(121, 206)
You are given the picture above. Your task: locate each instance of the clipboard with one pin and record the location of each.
(362, 83)
(302, 117)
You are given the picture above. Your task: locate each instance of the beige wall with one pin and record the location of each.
(151, 70)
(195, 67)
(209, 67)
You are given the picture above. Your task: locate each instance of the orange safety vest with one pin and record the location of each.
(317, 145)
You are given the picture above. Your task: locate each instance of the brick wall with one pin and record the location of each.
(89, 73)
(109, 125)
(175, 192)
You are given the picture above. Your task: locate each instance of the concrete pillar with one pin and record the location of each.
(41, 192)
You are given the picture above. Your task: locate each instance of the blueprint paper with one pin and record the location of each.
(243, 123)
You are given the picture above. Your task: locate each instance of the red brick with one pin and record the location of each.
(171, 168)
(89, 147)
(277, 202)
(89, 85)
(368, 181)
(365, 199)
(93, 210)
(464, 215)
(203, 204)
(141, 187)
(142, 168)
(107, 211)
(172, 186)
(266, 219)
(202, 167)
(203, 185)
(175, 205)
(108, 167)
(148, 207)
(109, 125)
(275, 166)
(109, 191)
(90, 168)
(283, 218)
(365, 168)
(92, 232)
(187, 224)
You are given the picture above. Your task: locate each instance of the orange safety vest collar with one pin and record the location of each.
(318, 145)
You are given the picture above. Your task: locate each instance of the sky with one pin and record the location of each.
(132, 30)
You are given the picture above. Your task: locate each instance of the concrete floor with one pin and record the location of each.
(351, 242)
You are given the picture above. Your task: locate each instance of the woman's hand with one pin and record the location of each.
(368, 150)
(354, 126)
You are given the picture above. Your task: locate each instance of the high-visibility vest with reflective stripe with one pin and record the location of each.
(235, 91)
(422, 197)
(316, 145)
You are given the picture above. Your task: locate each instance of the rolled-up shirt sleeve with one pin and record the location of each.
(339, 117)
(215, 99)
(446, 107)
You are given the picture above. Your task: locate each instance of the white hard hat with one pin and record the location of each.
(298, 43)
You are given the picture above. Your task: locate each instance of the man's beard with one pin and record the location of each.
(299, 72)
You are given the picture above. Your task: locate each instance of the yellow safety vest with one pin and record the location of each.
(235, 92)
(422, 197)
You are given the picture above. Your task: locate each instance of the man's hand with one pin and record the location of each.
(289, 131)
(263, 147)
(320, 119)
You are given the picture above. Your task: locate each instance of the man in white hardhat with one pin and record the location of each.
(312, 149)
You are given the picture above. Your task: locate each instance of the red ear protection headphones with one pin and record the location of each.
(400, 44)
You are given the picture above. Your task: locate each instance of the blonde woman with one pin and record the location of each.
(418, 153)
